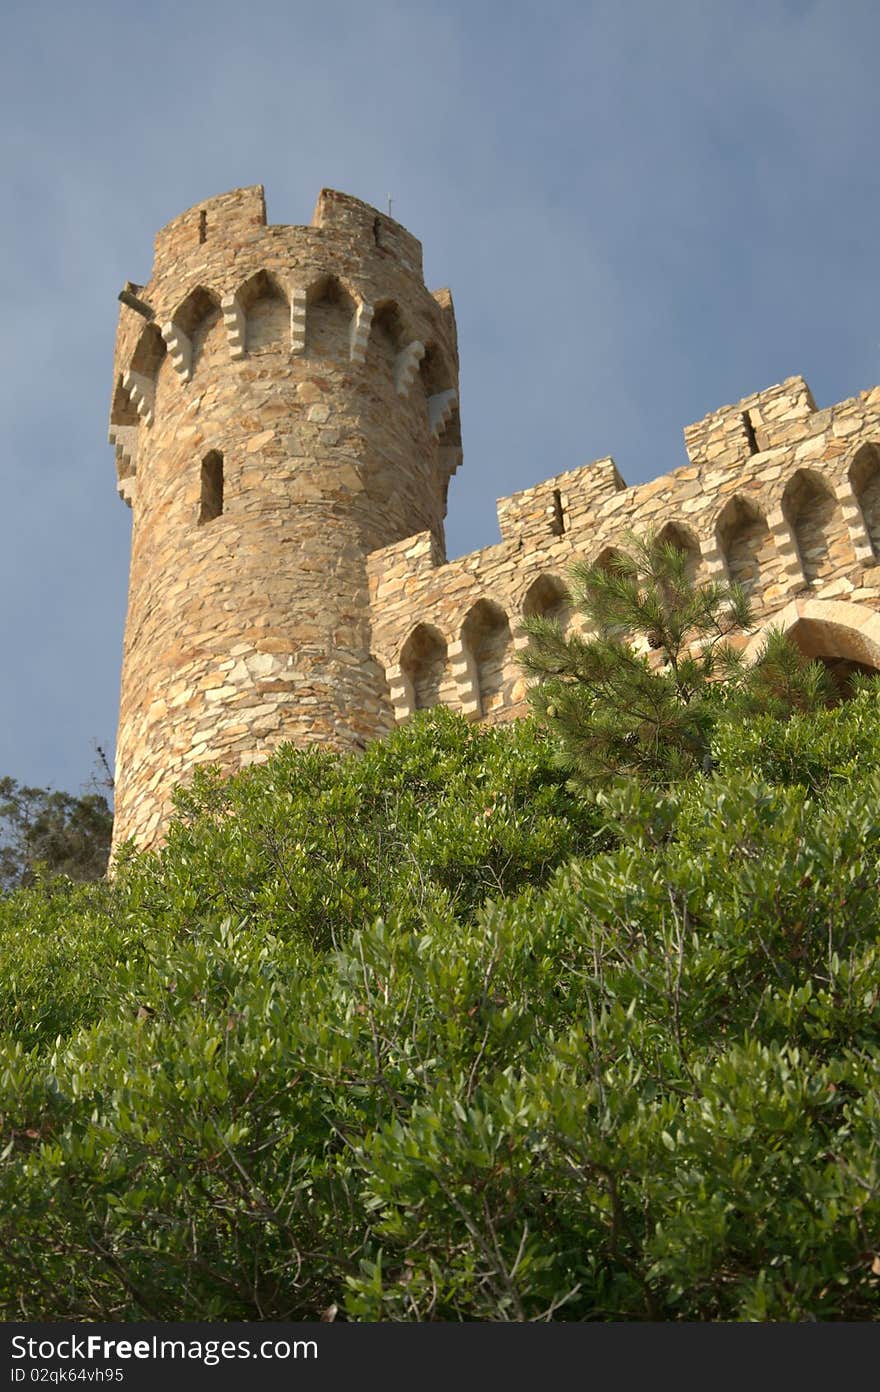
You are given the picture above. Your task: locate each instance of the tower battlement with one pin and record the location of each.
(239, 216)
(285, 419)
(285, 401)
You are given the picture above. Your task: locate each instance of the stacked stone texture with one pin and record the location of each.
(286, 425)
(316, 367)
(778, 496)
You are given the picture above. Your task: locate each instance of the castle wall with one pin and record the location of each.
(285, 419)
(777, 495)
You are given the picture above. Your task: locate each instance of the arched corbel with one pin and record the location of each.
(180, 350)
(360, 332)
(401, 693)
(467, 682)
(440, 408)
(298, 310)
(234, 323)
(406, 365)
(141, 393)
(855, 523)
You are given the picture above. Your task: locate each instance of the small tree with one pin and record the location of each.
(641, 695)
(783, 681)
(41, 827)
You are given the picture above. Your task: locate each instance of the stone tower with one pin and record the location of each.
(284, 403)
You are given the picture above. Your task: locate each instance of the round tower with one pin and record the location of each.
(284, 403)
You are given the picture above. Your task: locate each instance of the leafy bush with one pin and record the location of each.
(834, 745)
(417, 1037)
(61, 948)
(428, 821)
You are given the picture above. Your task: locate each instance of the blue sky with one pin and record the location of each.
(644, 211)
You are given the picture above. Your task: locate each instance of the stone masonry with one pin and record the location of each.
(285, 417)
(284, 403)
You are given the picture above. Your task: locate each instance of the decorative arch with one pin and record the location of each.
(140, 379)
(200, 304)
(331, 312)
(487, 640)
(843, 635)
(266, 314)
(817, 524)
(437, 379)
(149, 352)
(548, 598)
(392, 349)
(435, 372)
(389, 325)
(122, 410)
(612, 559)
(683, 539)
(864, 478)
(424, 661)
(745, 541)
(188, 328)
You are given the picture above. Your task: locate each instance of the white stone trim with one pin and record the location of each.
(127, 489)
(360, 332)
(463, 671)
(141, 393)
(179, 350)
(298, 310)
(406, 365)
(402, 695)
(236, 326)
(124, 440)
(440, 408)
(855, 521)
(786, 546)
(712, 558)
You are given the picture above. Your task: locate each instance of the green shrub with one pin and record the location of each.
(417, 1036)
(432, 819)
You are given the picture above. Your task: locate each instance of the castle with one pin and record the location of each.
(285, 420)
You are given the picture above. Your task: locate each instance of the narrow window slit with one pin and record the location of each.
(558, 524)
(749, 428)
(211, 503)
(203, 226)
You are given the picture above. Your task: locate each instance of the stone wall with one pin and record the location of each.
(285, 418)
(778, 496)
(285, 401)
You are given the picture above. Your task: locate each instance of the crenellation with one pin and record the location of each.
(773, 527)
(266, 369)
(286, 441)
(342, 214)
(531, 513)
(229, 217)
